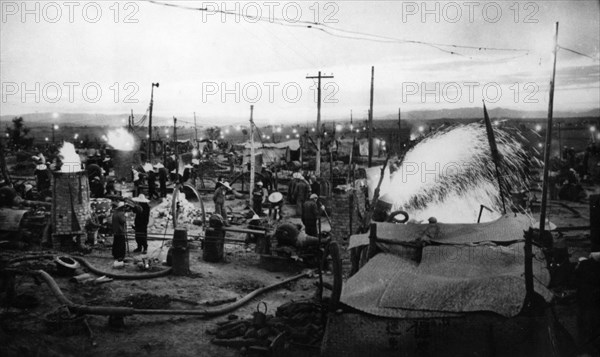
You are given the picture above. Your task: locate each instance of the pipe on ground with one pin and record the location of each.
(97, 271)
(124, 311)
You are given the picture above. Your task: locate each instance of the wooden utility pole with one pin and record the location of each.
(399, 120)
(318, 164)
(175, 144)
(252, 168)
(548, 136)
(195, 128)
(371, 118)
(559, 142)
(149, 148)
(528, 237)
(131, 121)
(495, 154)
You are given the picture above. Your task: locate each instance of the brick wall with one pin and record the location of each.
(346, 209)
(70, 203)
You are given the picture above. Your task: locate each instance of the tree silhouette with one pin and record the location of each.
(17, 134)
(213, 133)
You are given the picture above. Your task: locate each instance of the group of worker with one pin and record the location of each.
(140, 205)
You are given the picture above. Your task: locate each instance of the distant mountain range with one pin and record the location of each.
(114, 120)
(475, 113)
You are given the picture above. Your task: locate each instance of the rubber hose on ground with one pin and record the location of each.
(123, 276)
(123, 311)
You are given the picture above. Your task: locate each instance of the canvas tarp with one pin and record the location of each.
(363, 146)
(293, 144)
(269, 155)
(505, 229)
(466, 274)
(344, 147)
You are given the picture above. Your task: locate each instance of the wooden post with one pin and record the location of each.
(529, 267)
(528, 236)
(548, 138)
(175, 145)
(318, 163)
(373, 240)
(495, 154)
(196, 130)
(595, 222)
(371, 118)
(330, 171)
(559, 142)
(252, 163)
(149, 148)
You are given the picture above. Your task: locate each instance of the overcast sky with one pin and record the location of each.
(216, 66)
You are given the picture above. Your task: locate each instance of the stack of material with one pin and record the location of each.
(297, 323)
(162, 215)
(463, 268)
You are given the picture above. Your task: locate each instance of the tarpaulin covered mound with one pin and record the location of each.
(475, 267)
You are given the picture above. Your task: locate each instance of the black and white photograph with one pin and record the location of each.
(300, 178)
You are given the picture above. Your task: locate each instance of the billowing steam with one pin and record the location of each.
(121, 139)
(450, 174)
(71, 162)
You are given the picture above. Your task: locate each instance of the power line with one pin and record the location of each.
(578, 53)
(325, 28)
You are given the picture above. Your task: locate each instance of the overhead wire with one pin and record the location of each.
(325, 28)
(328, 29)
(579, 53)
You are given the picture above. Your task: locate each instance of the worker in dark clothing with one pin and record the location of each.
(275, 205)
(187, 173)
(301, 194)
(162, 179)
(28, 193)
(219, 200)
(9, 196)
(94, 173)
(152, 194)
(142, 217)
(43, 178)
(119, 227)
(96, 187)
(137, 180)
(310, 215)
(93, 170)
(315, 186)
(259, 196)
(111, 190)
(106, 165)
(267, 178)
(291, 188)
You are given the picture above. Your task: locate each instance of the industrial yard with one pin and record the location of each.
(186, 178)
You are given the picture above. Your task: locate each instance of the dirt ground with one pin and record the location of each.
(24, 333)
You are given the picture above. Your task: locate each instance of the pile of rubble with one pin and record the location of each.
(296, 323)
(161, 215)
